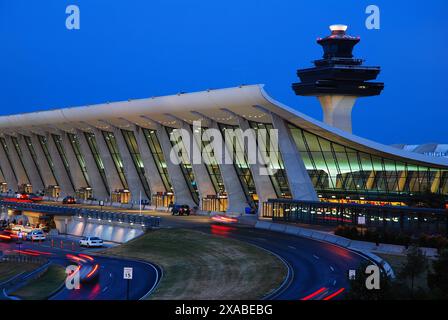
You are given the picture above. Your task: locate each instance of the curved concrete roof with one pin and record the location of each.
(250, 102)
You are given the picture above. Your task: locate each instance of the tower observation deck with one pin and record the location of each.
(338, 79)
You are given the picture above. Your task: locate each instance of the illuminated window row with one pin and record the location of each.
(335, 167)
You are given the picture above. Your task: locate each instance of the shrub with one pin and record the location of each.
(385, 236)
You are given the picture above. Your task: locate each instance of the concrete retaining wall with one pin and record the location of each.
(108, 231)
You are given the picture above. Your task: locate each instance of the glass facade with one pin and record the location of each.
(159, 158)
(30, 147)
(6, 151)
(334, 167)
(132, 145)
(44, 144)
(185, 165)
(91, 141)
(74, 141)
(16, 145)
(210, 162)
(60, 147)
(242, 168)
(279, 178)
(393, 218)
(111, 143)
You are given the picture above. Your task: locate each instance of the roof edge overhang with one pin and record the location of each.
(240, 100)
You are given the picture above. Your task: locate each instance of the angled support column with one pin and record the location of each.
(237, 201)
(181, 191)
(99, 189)
(42, 162)
(236, 198)
(205, 185)
(75, 170)
(298, 178)
(30, 166)
(132, 177)
(16, 162)
(263, 183)
(155, 181)
(112, 177)
(8, 171)
(62, 176)
(2, 177)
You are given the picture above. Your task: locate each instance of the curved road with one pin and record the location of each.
(319, 270)
(109, 285)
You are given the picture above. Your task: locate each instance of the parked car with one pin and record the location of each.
(36, 235)
(181, 210)
(91, 242)
(69, 200)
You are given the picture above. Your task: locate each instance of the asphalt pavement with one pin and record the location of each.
(109, 285)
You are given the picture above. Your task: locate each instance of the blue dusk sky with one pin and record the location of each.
(141, 48)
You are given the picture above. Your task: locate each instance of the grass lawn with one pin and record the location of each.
(202, 266)
(11, 269)
(42, 287)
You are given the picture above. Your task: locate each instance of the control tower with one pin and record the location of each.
(338, 79)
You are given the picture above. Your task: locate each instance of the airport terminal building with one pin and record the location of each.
(120, 152)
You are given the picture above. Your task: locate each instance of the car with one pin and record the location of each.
(222, 218)
(87, 267)
(69, 200)
(36, 235)
(89, 272)
(181, 210)
(91, 242)
(17, 228)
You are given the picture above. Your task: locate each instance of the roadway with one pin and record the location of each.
(108, 286)
(318, 270)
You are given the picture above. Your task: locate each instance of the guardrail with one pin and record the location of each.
(89, 214)
(22, 259)
(120, 217)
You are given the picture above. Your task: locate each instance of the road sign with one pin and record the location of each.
(127, 273)
(362, 220)
(352, 274)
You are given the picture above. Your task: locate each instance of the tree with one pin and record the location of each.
(415, 265)
(438, 278)
(427, 199)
